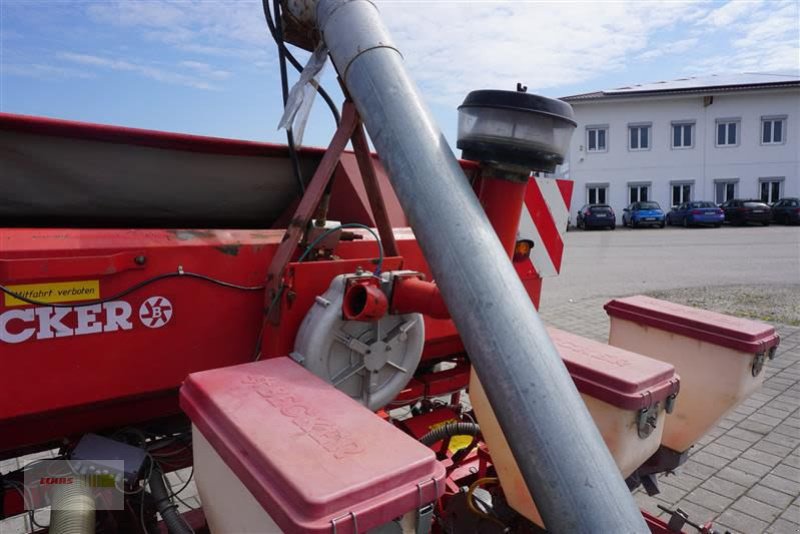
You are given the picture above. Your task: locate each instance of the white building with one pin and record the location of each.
(706, 138)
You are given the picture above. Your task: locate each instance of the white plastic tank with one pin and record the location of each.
(626, 394)
(720, 358)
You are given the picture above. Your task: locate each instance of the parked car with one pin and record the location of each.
(743, 211)
(786, 211)
(596, 216)
(695, 213)
(643, 213)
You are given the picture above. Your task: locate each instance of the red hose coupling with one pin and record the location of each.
(364, 300)
(412, 295)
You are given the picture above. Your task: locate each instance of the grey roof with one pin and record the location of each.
(696, 84)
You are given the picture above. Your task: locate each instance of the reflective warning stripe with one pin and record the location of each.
(544, 221)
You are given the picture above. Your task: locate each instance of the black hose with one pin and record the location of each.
(165, 506)
(276, 30)
(449, 430)
(296, 64)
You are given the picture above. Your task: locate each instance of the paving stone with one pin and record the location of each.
(746, 409)
(781, 484)
(761, 457)
(781, 526)
(789, 431)
(787, 471)
(738, 477)
(709, 499)
(696, 469)
(670, 494)
(755, 426)
(757, 509)
(761, 417)
(722, 451)
(792, 513)
(719, 527)
(683, 481)
(742, 522)
(772, 448)
(782, 439)
(731, 442)
(770, 496)
(711, 460)
(744, 435)
(726, 424)
(792, 460)
(750, 467)
(774, 412)
(737, 416)
(724, 487)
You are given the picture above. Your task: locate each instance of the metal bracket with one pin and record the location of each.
(425, 512)
(758, 363)
(669, 404)
(349, 514)
(646, 420)
(425, 519)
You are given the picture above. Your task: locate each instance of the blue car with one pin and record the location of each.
(696, 213)
(643, 214)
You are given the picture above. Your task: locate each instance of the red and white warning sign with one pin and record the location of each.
(155, 312)
(544, 221)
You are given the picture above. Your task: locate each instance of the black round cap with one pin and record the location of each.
(520, 101)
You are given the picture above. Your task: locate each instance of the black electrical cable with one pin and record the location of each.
(278, 36)
(296, 64)
(135, 287)
(449, 430)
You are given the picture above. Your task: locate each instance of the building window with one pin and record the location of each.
(772, 130)
(638, 192)
(596, 194)
(727, 132)
(682, 134)
(596, 139)
(639, 137)
(725, 190)
(770, 189)
(681, 192)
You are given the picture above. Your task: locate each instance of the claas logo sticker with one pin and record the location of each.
(18, 325)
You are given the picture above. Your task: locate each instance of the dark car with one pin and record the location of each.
(786, 211)
(695, 213)
(643, 214)
(596, 216)
(742, 211)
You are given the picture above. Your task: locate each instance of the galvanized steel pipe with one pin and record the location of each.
(567, 467)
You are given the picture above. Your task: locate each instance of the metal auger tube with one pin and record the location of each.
(567, 467)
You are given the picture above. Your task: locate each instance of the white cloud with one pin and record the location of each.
(217, 28)
(44, 71)
(453, 48)
(206, 70)
(677, 47)
(731, 12)
(763, 39)
(148, 71)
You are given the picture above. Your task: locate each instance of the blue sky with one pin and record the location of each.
(209, 67)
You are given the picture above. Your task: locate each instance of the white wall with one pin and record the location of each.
(703, 163)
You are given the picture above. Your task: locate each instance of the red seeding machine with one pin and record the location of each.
(334, 341)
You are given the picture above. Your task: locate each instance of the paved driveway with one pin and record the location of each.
(625, 261)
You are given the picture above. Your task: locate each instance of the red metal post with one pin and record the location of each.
(502, 200)
(376, 202)
(309, 202)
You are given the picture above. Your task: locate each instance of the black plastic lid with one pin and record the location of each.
(520, 101)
